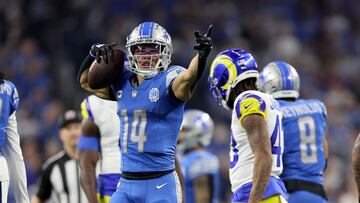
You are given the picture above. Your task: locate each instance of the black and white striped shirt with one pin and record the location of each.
(61, 178)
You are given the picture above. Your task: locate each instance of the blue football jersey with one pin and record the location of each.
(9, 102)
(196, 164)
(304, 123)
(150, 119)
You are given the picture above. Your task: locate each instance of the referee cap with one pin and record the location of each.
(70, 116)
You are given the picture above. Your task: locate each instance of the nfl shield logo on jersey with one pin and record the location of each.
(154, 94)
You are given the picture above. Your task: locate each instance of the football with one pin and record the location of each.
(102, 75)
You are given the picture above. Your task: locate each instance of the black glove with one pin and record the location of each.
(204, 42)
(102, 52)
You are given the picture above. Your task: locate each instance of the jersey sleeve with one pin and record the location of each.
(14, 104)
(250, 104)
(86, 112)
(171, 75)
(323, 109)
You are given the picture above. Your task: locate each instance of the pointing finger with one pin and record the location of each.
(209, 31)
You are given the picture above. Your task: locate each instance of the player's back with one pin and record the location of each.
(304, 124)
(104, 114)
(9, 102)
(150, 120)
(200, 163)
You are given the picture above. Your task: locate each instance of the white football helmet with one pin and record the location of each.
(149, 33)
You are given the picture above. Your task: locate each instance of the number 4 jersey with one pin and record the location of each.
(241, 156)
(304, 124)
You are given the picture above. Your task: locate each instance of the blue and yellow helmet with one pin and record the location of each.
(227, 70)
(280, 80)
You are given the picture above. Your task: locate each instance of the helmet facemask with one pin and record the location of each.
(147, 59)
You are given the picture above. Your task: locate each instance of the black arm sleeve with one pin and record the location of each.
(201, 69)
(111, 94)
(45, 186)
(85, 65)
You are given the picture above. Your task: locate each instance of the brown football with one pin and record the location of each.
(102, 75)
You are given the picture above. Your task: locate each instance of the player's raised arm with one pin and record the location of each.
(88, 156)
(186, 81)
(257, 132)
(100, 82)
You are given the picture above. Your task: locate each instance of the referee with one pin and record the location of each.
(60, 178)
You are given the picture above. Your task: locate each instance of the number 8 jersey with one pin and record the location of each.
(241, 156)
(304, 129)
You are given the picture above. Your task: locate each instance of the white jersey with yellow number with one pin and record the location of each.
(104, 114)
(241, 156)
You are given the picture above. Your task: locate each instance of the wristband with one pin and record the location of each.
(88, 143)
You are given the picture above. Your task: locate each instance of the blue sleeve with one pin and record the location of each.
(171, 74)
(324, 109)
(14, 104)
(88, 143)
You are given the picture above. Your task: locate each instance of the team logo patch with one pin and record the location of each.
(154, 94)
(119, 94)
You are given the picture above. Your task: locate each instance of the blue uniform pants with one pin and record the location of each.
(165, 189)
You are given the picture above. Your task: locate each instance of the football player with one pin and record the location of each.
(99, 140)
(11, 160)
(151, 98)
(200, 167)
(304, 121)
(256, 129)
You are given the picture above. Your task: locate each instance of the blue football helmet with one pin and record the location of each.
(227, 70)
(197, 129)
(280, 80)
(149, 33)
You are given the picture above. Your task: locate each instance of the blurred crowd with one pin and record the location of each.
(42, 44)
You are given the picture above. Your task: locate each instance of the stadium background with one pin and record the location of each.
(42, 44)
